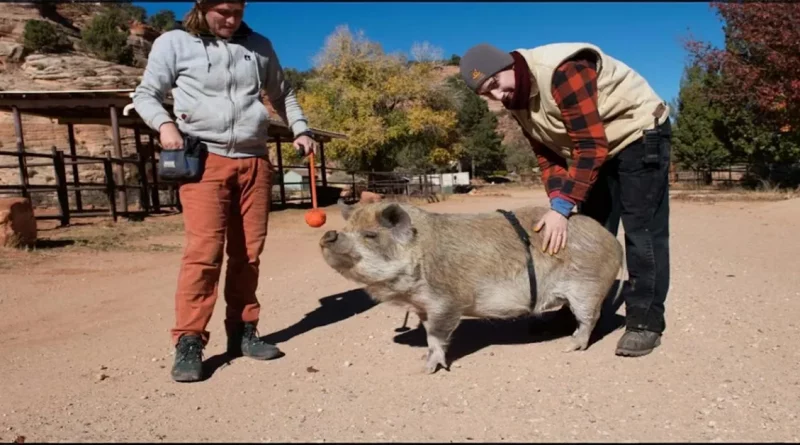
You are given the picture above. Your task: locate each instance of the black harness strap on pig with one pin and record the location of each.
(526, 240)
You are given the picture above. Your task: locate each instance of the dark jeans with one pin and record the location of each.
(638, 193)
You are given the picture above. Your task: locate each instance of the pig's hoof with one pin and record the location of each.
(434, 359)
(432, 367)
(575, 345)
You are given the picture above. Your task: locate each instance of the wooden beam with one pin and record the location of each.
(32, 104)
(23, 168)
(119, 167)
(122, 121)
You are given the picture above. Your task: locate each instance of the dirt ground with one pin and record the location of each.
(86, 354)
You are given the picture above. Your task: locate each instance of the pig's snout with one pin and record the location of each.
(328, 238)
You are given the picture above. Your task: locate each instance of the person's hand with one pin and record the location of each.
(305, 145)
(555, 231)
(170, 137)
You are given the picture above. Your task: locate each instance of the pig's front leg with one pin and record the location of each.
(440, 321)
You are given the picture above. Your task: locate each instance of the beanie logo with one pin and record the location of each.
(476, 74)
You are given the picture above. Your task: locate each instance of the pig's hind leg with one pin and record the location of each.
(587, 312)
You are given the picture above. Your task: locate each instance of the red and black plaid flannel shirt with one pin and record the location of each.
(575, 91)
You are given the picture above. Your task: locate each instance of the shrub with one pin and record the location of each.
(42, 36)
(163, 20)
(107, 37)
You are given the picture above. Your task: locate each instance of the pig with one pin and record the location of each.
(446, 266)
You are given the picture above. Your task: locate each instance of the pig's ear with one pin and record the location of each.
(346, 210)
(398, 220)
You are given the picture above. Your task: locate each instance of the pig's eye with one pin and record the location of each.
(370, 234)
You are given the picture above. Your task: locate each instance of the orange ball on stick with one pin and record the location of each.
(314, 217)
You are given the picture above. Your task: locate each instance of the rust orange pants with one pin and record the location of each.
(230, 201)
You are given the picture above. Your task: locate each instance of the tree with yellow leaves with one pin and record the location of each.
(395, 112)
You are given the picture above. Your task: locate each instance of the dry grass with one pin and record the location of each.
(106, 235)
(765, 192)
(95, 235)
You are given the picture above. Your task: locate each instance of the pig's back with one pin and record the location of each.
(467, 255)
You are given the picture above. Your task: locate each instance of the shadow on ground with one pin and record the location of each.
(472, 335)
(53, 243)
(332, 309)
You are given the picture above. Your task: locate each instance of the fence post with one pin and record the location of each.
(144, 201)
(23, 163)
(154, 169)
(322, 169)
(75, 176)
(120, 166)
(61, 185)
(308, 168)
(110, 186)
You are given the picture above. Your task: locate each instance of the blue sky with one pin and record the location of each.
(646, 36)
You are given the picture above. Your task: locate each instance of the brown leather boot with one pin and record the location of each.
(635, 343)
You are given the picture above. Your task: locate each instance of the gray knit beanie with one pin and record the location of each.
(481, 62)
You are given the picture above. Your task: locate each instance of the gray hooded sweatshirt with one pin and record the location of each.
(215, 85)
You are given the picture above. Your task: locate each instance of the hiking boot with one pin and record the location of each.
(243, 340)
(188, 366)
(635, 343)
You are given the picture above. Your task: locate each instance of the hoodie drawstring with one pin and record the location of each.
(208, 58)
(258, 73)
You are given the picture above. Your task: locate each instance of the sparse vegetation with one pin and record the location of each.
(107, 36)
(44, 37)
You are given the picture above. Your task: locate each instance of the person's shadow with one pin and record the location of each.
(472, 335)
(332, 309)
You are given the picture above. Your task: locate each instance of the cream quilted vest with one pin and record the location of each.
(626, 101)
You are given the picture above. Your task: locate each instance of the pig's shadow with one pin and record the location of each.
(331, 309)
(472, 335)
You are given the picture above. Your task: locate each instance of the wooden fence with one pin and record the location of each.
(149, 190)
(70, 190)
(412, 184)
(737, 174)
(730, 175)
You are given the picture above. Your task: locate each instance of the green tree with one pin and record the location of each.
(758, 82)
(44, 37)
(163, 20)
(696, 139)
(298, 78)
(520, 157)
(384, 104)
(107, 36)
(481, 146)
(751, 139)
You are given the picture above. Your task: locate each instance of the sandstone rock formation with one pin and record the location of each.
(17, 223)
(73, 70)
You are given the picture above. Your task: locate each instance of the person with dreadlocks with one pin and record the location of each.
(216, 68)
